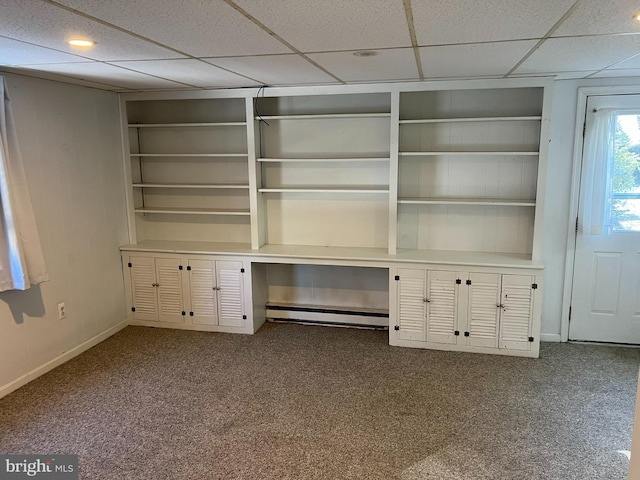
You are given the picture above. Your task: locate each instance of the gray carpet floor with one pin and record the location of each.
(303, 402)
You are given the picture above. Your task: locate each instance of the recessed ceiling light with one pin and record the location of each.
(365, 53)
(637, 17)
(81, 43)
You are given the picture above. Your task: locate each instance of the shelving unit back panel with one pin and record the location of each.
(499, 136)
(328, 286)
(316, 174)
(324, 104)
(333, 220)
(192, 140)
(193, 170)
(193, 228)
(322, 138)
(460, 176)
(502, 102)
(466, 228)
(187, 111)
(196, 198)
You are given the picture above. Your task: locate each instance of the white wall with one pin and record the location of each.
(70, 142)
(557, 206)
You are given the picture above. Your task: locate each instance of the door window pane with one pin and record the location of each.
(625, 175)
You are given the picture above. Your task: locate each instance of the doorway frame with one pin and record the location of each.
(576, 171)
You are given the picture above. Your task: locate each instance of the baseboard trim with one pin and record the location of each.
(60, 359)
(550, 337)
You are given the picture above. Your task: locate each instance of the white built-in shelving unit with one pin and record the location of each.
(435, 180)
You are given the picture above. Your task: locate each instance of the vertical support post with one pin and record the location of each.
(393, 171)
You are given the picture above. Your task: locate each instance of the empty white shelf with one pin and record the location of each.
(190, 211)
(345, 189)
(322, 116)
(322, 160)
(512, 154)
(505, 202)
(189, 185)
(188, 155)
(471, 119)
(186, 125)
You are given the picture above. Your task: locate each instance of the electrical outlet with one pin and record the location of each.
(62, 312)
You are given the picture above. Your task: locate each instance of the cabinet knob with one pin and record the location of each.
(499, 305)
(426, 300)
(155, 284)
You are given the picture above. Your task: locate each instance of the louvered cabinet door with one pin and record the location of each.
(442, 307)
(412, 304)
(143, 285)
(202, 288)
(483, 311)
(230, 293)
(517, 312)
(169, 286)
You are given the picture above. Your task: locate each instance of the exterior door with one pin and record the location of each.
(605, 302)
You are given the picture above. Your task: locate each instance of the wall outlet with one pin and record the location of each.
(62, 312)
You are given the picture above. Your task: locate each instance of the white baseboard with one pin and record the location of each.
(60, 359)
(550, 337)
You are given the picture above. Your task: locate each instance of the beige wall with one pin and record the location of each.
(70, 142)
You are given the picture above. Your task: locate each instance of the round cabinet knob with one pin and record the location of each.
(426, 300)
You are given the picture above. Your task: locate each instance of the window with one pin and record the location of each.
(625, 175)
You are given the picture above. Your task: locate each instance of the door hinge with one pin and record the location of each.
(466, 334)
(576, 224)
(468, 282)
(397, 327)
(534, 286)
(458, 281)
(133, 309)
(130, 265)
(244, 317)
(531, 339)
(456, 333)
(179, 267)
(397, 277)
(584, 129)
(184, 313)
(569, 313)
(191, 314)
(188, 267)
(242, 270)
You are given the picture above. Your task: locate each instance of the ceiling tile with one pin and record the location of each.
(392, 64)
(58, 78)
(632, 62)
(594, 17)
(109, 74)
(558, 75)
(442, 22)
(580, 53)
(483, 59)
(630, 72)
(276, 69)
(197, 27)
(44, 24)
(13, 52)
(318, 26)
(191, 72)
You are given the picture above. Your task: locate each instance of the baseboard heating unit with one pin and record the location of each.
(328, 315)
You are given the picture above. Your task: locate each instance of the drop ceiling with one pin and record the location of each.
(202, 44)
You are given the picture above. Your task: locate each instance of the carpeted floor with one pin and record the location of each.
(302, 402)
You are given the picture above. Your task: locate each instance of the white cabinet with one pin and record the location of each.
(469, 311)
(198, 292)
(157, 293)
(216, 292)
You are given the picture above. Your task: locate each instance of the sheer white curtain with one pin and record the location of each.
(597, 160)
(21, 259)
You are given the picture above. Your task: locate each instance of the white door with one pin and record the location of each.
(605, 302)
(412, 302)
(517, 312)
(202, 288)
(230, 294)
(483, 310)
(442, 306)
